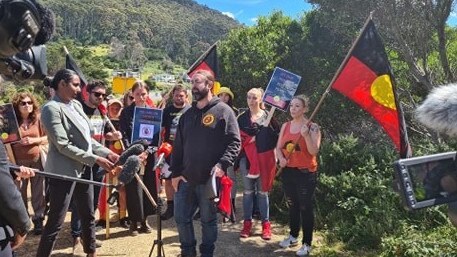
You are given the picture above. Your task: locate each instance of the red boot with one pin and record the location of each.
(266, 230)
(246, 231)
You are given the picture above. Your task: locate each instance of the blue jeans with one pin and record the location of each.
(186, 201)
(250, 186)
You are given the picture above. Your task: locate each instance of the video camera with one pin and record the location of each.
(427, 180)
(25, 26)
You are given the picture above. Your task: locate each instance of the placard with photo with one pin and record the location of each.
(281, 88)
(9, 127)
(147, 123)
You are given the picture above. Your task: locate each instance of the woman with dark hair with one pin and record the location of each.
(71, 148)
(138, 207)
(27, 153)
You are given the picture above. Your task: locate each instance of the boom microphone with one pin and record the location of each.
(133, 150)
(439, 110)
(48, 24)
(16, 168)
(131, 167)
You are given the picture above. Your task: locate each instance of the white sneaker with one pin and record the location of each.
(304, 250)
(253, 176)
(288, 241)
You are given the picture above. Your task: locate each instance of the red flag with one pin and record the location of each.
(209, 62)
(366, 78)
(71, 65)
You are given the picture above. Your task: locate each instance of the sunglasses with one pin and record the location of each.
(24, 103)
(97, 94)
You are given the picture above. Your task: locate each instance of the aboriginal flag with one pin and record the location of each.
(71, 65)
(209, 62)
(366, 78)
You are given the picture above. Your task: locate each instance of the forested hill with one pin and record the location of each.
(182, 29)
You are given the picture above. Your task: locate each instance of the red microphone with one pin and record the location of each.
(163, 151)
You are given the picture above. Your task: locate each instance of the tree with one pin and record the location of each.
(407, 25)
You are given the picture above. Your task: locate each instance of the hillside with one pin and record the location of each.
(180, 29)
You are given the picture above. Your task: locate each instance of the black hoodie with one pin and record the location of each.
(205, 137)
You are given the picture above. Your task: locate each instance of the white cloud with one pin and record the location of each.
(229, 14)
(254, 20)
(453, 14)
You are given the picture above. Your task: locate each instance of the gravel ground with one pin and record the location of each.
(120, 243)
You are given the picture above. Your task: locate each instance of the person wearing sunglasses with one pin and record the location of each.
(27, 153)
(96, 96)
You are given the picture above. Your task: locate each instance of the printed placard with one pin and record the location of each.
(9, 127)
(146, 125)
(281, 88)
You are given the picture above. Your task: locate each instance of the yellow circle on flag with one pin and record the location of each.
(382, 92)
(4, 136)
(117, 145)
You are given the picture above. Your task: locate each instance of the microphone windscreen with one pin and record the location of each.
(47, 24)
(131, 166)
(439, 110)
(134, 149)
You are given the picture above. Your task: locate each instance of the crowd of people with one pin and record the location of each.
(85, 138)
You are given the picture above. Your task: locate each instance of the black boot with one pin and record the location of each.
(145, 228)
(38, 226)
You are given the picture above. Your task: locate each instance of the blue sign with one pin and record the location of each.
(147, 123)
(281, 88)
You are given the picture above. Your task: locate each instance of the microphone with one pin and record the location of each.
(48, 24)
(133, 150)
(439, 110)
(163, 151)
(131, 167)
(15, 169)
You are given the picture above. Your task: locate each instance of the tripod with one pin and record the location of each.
(158, 241)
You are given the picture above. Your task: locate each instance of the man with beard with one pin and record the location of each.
(170, 121)
(207, 142)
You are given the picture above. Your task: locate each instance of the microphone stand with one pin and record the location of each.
(158, 241)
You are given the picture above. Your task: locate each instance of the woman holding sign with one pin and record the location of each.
(138, 207)
(257, 161)
(27, 153)
(297, 148)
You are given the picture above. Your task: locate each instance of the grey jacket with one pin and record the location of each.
(67, 145)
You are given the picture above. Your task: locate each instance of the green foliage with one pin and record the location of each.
(357, 205)
(414, 242)
(180, 29)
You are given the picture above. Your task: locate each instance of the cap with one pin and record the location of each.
(227, 91)
(114, 100)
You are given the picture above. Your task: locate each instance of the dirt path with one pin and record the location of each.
(121, 244)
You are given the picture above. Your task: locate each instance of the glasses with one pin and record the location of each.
(24, 103)
(97, 94)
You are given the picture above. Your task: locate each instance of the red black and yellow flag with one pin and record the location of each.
(366, 78)
(209, 62)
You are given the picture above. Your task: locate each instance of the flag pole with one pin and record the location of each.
(321, 100)
(370, 17)
(201, 57)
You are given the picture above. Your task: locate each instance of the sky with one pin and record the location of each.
(247, 11)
